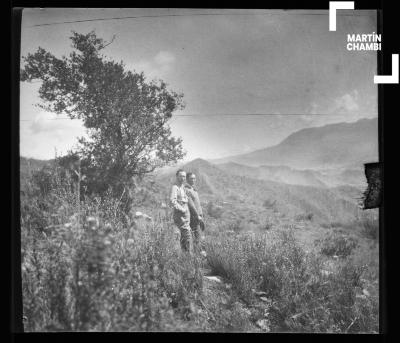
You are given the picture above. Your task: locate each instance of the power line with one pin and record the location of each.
(185, 15)
(221, 115)
(253, 114)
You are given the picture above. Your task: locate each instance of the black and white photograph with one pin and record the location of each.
(199, 170)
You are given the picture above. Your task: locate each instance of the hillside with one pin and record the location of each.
(281, 174)
(30, 165)
(245, 197)
(271, 250)
(307, 177)
(243, 192)
(342, 145)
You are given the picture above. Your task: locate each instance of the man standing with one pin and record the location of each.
(196, 212)
(179, 202)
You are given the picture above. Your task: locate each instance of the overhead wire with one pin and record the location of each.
(185, 15)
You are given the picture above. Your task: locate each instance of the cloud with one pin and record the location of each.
(344, 104)
(40, 137)
(164, 58)
(347, 107)
(48, 123)
(156, 67)
(347, 103)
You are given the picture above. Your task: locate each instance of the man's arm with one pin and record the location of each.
(192, 207)
(174, 199)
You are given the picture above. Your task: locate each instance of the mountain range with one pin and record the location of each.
(313, 171)
(334, 146)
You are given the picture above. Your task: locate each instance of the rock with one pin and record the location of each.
(138, 214)
(213, 278)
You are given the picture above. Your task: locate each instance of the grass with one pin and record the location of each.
(367, 224)
(88, 266)
(303, 296)
(304, 217)
(338, 245)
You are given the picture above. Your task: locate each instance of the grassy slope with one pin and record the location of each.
(242, 197)
(238, 210)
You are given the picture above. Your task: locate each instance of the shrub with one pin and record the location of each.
(336, 244)
(213, 210)
(332, 225)
(236, 226)
(305, 216)
(269, 204)
(268, 226)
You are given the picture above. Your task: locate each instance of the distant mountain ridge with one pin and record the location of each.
(216, 184)
(283, 174)
(340, 145)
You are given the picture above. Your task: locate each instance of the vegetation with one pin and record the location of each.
(126, 117)
(305, 216)
(299, 293)
(103, 271)
(88, 265)
(213, 210)
(339, 245)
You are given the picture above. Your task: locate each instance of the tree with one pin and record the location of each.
(126, 117)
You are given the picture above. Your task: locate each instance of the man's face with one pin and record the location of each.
(181, 177)
(192, 180)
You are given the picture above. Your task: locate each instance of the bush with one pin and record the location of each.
(305, 216)
(269, 204)
(268, 226)
(336, 244)
(236, 226)
(332, 225)
(213, 210)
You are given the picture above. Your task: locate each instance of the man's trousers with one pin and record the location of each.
(182, 221)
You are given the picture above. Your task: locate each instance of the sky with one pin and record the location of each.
(286, 65)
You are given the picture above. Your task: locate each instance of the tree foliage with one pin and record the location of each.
(126, 116)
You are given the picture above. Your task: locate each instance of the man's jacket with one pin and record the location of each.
(178, 198)
(193, 202)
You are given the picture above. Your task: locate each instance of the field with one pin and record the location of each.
(279, 259)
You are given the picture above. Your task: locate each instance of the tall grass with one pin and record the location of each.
(303, 296)
(89, 266)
